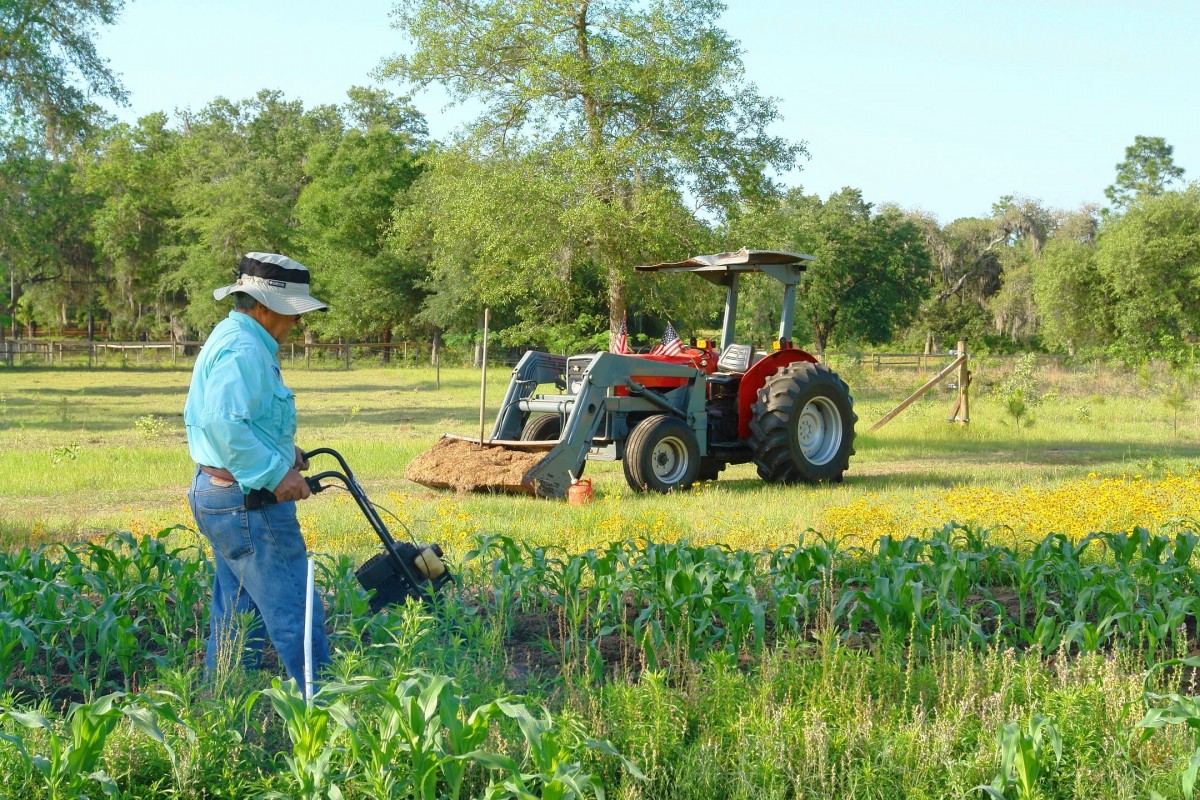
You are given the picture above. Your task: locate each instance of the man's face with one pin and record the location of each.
(279, 326)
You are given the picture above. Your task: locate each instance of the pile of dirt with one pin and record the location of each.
(470, 467)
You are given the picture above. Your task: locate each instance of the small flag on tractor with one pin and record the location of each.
(622, 343)
(670, 345)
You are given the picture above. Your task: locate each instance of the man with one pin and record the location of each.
(241, 426)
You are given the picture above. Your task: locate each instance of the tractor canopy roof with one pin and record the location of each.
(719, 267)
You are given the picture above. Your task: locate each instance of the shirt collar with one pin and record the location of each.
(250, 323)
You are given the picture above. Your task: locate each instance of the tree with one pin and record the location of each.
(344, 215)
(1148, 169)
(1149, 259)
(1026, 225)
(45, 247)
(867, 281)
(134, 176)
(242, 168)
(46, 50)
(623, 101)
(967, 297)
(1068, 289)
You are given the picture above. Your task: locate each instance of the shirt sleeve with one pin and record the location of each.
(237, 393)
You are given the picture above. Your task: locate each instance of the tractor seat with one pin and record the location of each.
(736, 358)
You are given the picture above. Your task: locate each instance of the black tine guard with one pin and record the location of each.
(391, 576)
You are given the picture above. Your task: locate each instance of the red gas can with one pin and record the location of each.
(580, 492)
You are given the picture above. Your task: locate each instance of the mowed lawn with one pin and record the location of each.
(87, 452)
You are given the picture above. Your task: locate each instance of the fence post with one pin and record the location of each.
(964, 383)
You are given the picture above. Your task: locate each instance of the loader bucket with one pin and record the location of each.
(466, 465)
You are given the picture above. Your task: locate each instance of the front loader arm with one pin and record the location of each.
(532, 370)
(595, 398)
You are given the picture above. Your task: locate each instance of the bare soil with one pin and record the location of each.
(470, 467)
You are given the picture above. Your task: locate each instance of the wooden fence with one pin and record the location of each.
(77, 352)
(74, 352)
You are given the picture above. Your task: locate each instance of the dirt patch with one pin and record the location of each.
(469, 467)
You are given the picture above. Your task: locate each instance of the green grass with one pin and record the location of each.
(86, 452)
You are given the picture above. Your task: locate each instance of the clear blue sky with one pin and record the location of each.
(943, 105)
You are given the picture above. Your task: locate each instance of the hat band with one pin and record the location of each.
(265, 269)
(274, 285)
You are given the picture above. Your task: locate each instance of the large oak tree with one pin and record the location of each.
(623, 100)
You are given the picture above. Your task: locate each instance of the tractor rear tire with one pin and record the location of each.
(544, 428)
(802, 428)
(662, 455)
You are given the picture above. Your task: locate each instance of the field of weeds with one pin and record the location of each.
(1004, 609)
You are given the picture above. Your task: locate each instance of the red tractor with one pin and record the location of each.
(675, 419)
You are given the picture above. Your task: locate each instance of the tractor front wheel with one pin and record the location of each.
(545, 428)
(661, 454)
(802, 428)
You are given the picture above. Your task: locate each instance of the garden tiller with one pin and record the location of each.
(403, 569)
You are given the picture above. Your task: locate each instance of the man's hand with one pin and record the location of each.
(292, 487)
(301, 462)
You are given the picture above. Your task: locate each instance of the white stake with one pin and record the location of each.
(308, 622)
(487, 314)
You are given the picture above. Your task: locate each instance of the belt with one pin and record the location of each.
(218, 473)
(255, 498)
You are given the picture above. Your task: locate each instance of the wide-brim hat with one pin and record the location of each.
(276, 281)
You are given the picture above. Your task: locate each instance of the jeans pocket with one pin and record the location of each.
(226, 527)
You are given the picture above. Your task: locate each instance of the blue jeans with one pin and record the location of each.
(262, 570)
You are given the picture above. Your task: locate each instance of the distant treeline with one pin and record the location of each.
(613, 135)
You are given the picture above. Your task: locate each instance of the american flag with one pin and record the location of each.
(670, 345)
(622, 343)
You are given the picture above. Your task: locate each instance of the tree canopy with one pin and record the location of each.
(1148, 169)
(613, 133)
(46, 53)
(866, 283)
(623, 103)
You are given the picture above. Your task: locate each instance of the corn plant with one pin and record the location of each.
(314, 729)
(551, 767)
(893, 603)
(1024, 757)
(1089, 636)
(15, 637)
(207, 737)
(1164, 618)
(419, 740)
(68, 764)
(403, 752)
(1170, 708)
(463, 734)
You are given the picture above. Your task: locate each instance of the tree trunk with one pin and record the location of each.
(616, 305)
(386, 358)
(820, 339)
(13, 297)
(435, 350)
(477, 360)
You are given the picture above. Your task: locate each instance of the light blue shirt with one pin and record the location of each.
(239, 415)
